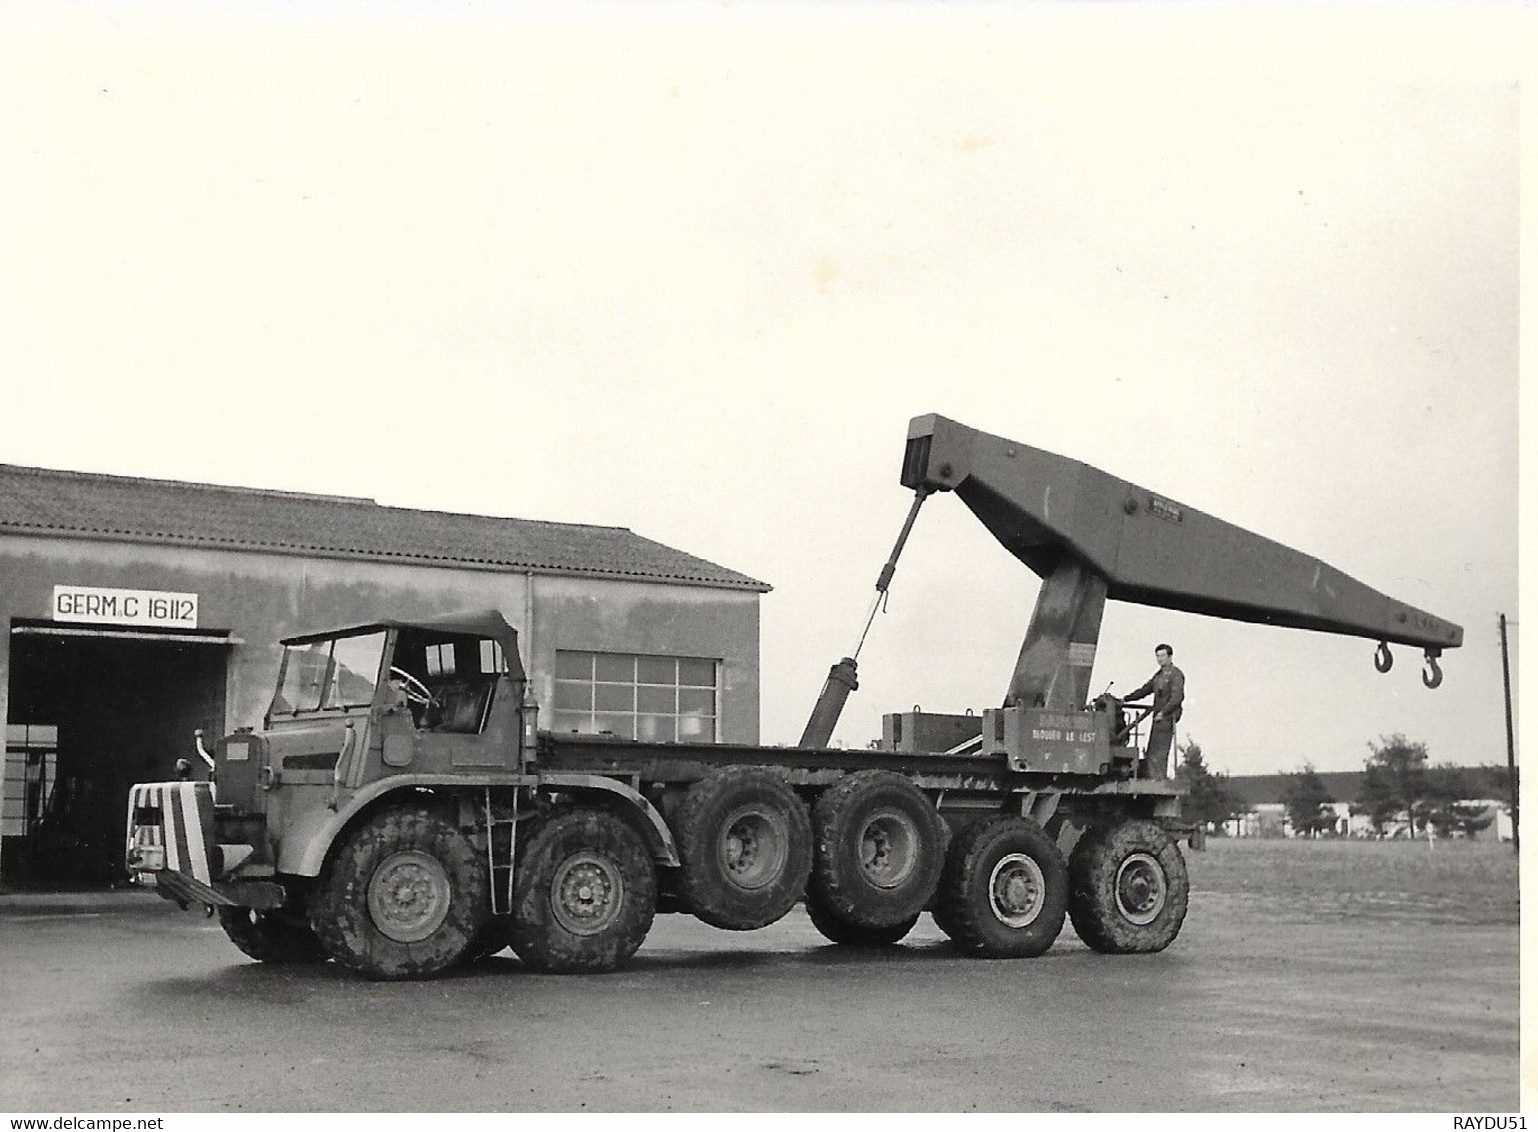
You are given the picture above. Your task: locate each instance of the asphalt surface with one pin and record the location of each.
(126, 1004)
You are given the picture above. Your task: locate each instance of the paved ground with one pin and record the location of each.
(127, 1004)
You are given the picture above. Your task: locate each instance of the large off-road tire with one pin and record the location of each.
(746, 845)
(840, 931)
(271, 937)
(1004, 891)
(404, 896)
(880, 847)
(1129, 888)
(585, 893)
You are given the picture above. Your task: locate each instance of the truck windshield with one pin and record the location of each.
(339, 672)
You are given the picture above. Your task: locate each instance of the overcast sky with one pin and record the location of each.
(691, 269)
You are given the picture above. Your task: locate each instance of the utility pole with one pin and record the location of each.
(1511, 742)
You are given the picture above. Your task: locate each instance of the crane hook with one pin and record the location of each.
(1432, 676)
(1383, 660)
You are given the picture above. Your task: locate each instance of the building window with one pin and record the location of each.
(657, 699)
(31, 765)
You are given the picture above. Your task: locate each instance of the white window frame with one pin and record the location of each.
(565, 710)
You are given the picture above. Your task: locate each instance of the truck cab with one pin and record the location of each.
(352, 710)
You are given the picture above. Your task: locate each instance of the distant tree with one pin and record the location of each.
(1212, 799)
(1497, 780)
(1450, 790)
(1394, 784)
(1307, 799)
(1491, 780)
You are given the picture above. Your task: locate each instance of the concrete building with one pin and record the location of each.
(137, 610)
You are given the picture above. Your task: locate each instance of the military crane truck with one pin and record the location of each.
(400, 810)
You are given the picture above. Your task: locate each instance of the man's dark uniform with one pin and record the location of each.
(1168, 686)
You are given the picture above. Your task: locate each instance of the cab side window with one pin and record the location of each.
(460, 671)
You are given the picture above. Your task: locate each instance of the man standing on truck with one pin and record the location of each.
(1168, 686)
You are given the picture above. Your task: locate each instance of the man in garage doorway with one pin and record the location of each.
(1168, 686)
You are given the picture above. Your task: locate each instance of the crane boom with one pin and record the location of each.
(1151, 550)
(1095, 537)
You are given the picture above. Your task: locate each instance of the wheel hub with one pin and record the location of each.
(408, 895)
(1017, 889)
(754, 846)
(586, 894)
(1141, 888)
(888, 848)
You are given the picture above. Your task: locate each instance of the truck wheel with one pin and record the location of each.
(585, 894)
(271, 937)
(1129, 888)
(838, 930)
(404, 897)
(1004, 891)
(880, 847)
(746, 846)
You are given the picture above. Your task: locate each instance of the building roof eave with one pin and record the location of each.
(445, 562)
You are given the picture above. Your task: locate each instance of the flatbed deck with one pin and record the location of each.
(819, 766)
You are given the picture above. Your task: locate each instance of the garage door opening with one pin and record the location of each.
(90, 713)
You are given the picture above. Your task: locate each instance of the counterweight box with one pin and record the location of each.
(930, 731)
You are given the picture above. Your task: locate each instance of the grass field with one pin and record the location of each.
(1471, 882)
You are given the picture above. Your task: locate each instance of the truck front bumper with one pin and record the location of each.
(185, 890)
(171, 844)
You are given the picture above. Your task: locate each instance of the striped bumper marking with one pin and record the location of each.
(186, 816)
